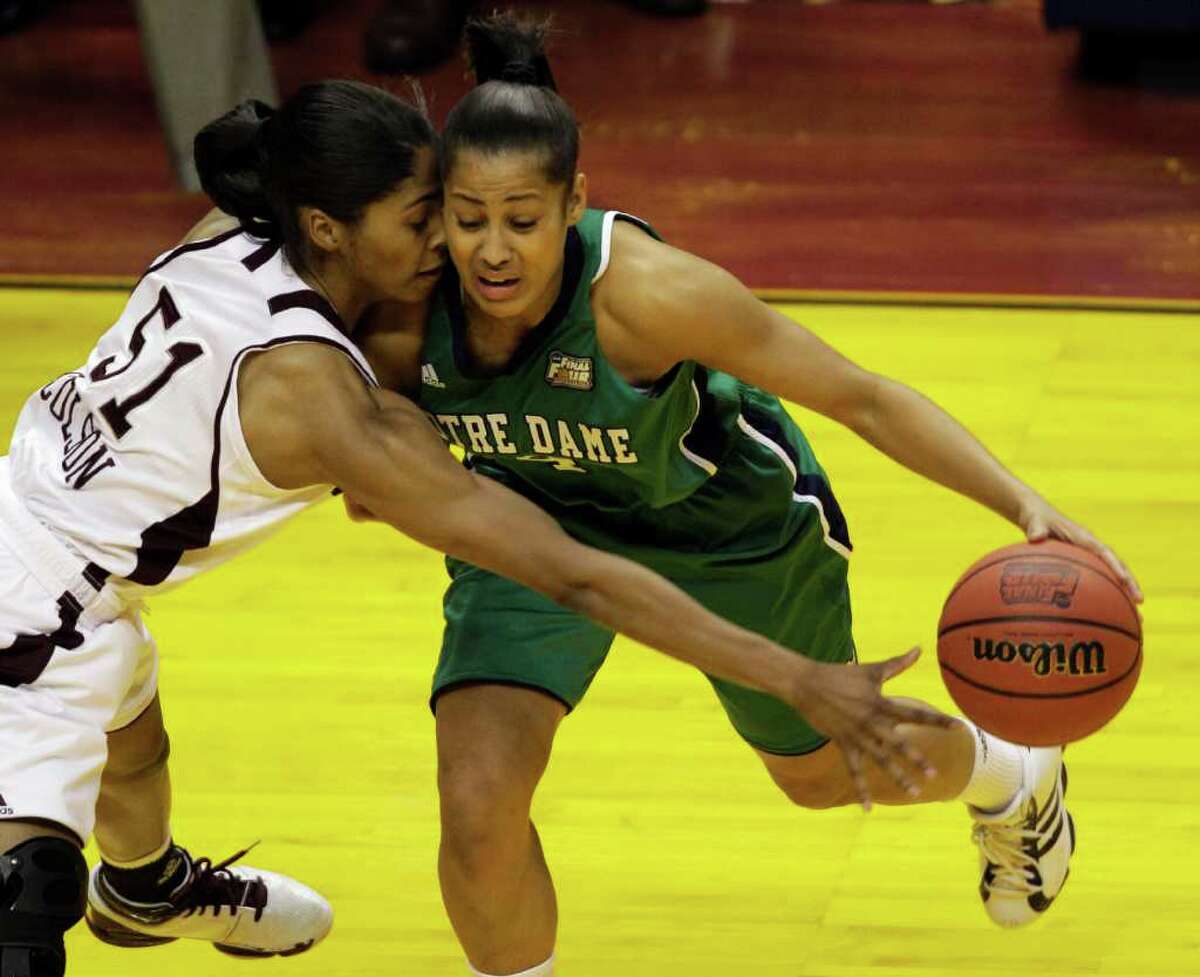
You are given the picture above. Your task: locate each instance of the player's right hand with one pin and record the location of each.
(846, 703)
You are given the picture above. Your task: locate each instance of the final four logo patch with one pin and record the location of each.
(572, 372)
(1039, 582)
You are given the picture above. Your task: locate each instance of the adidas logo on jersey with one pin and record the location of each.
(429, 376)
(5, 810)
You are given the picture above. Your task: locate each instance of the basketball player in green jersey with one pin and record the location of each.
(621, 384)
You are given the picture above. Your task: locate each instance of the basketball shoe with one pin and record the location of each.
(242, 911)
(1025, 850)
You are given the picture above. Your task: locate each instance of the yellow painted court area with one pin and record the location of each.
(295, 682)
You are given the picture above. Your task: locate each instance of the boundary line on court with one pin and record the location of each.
(79, 283)
(974, 300)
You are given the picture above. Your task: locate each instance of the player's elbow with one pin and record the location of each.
(859, 409)
(589, 582)
(579, 596)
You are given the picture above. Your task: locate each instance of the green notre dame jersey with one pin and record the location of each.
(700, 476)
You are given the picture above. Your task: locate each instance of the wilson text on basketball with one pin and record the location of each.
(1045, 658)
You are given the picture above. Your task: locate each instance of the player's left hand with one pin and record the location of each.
(1040, 520)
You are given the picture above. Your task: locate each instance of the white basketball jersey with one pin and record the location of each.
(137, 460)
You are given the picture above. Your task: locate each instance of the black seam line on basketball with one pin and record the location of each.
(1065, 559)
(1045, 618)
(1044, 695)
(1124, 596)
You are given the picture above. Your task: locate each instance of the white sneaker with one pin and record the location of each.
(1025, 850)
(243, 911)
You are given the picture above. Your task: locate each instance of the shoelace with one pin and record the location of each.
(216, 887)
(1010, 849)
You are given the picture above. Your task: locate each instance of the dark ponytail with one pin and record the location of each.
(229, 158)
(335, 145)
(505, 48)
(515, 105)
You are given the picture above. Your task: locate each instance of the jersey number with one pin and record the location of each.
(560, 463)
(117, 412)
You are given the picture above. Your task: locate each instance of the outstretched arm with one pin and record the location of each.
(310, 419)
(676, 306)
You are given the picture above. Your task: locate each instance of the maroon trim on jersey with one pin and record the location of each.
(211, 242)
(95, 575)
(306, 298)
(23, 662)
(164, 543)
(261, 255)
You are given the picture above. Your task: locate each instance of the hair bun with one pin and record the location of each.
(230, 154)
(520, 73)
(505, 47)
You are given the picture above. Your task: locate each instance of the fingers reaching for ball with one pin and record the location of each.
(1041, 521)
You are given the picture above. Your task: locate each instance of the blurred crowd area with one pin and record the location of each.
(859, 144)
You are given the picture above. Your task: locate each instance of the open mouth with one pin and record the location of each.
(495, 287)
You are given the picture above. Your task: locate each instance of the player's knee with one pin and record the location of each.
(482, 810)
(43, 892)
(818, 792)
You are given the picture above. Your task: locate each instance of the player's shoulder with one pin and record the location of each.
(244, 288)
(297, 379)
(645, 277)
(302, 365)
(209, 278)
(216, 249)
(227, 267)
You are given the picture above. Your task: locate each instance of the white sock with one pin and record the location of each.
(998, 772)
(541, 970)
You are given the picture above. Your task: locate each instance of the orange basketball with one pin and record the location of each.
(1039, 644)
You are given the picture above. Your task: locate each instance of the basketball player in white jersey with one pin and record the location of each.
(227, 398)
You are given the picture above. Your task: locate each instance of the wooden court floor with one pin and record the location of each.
(294, 684)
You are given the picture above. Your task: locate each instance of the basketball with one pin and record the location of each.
(1039, 644)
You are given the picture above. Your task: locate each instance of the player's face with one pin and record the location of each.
(398, 246)
(506, 226)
